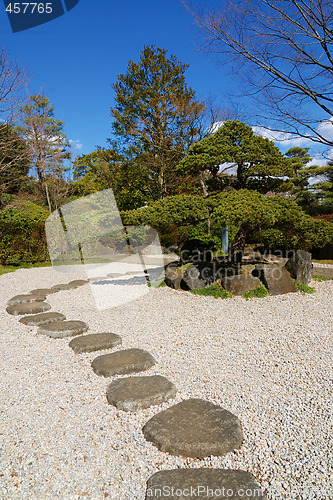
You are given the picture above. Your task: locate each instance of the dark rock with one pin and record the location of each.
(122, 362)
(194, 428)
(239, 284)
(173, 277)
(29, 308)
(61, 329)
(94, 342)
(136, 393)
(213, 484)
(42, 319)
(25, 299)
(195, 250)
(199, 276)
(275, 278)
(300, 266)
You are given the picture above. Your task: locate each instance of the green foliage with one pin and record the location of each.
(318, 277)
(304, 288)
(258, 291)
(255, 162)
(25, 265)
(215, 291)
(103, 169)
(14, 161)
(22, 235)
(156, 114)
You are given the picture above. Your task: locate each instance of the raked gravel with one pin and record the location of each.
(267, 360)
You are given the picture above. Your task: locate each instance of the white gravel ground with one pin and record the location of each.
(267, 360)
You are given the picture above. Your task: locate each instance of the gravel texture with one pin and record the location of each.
(266, 360)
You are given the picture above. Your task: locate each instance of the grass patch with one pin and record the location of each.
(24, 265)
(215, 291)
(156, 284)
(304, 288)
(258, 291)
(317, 277)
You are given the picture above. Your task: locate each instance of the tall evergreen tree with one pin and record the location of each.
(46, 142)
(156, 115)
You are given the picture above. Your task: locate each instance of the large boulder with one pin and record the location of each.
(205, 274)
(173, 277)
(276, 279)
(300, 266)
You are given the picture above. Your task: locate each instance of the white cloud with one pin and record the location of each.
(76, 144)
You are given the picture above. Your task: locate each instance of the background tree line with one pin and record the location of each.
(192, 166)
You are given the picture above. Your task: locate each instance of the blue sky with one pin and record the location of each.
(75, 58)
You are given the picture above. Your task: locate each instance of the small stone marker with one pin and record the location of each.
(42, 319)
(43, 291)
(122, 362)
(204, 483)
(194, 428)
(136, 393)
(94, 342)
(25, 299)
(61, 329)
(29, 308)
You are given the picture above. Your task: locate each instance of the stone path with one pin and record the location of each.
(192, 428)
(327, 272)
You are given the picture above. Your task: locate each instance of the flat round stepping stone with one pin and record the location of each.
(61, 329)
(42, 291)
(63, 286)
(194, 428)
(136, 393)
(204, 483)
(95, 342)
(28, 308)
(25, 299)
(122, 362)
(115, 275)
(42, 319)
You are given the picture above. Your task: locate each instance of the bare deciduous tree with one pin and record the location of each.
(283, 49)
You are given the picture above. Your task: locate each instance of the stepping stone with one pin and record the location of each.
(63, 286)
(204, 483)
(61, 329)
(115, 275)
(29, 308)
(25, 299)
(194, 428)
(42, 319)
(77, 283)
(123, 362)
(95, 342)
(42, 291)
(136, 393)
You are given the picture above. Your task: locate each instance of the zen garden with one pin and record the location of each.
(166, 300)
